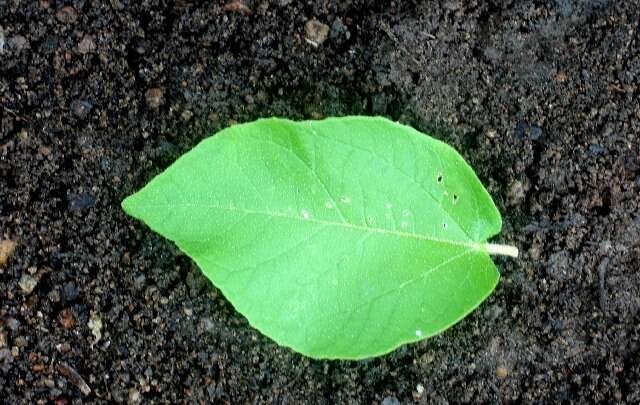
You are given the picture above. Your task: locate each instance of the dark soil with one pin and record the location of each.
(98, 97)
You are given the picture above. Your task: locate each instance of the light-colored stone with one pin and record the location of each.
(27, 283)
(315, 32)
(95, 324)
(7, 247)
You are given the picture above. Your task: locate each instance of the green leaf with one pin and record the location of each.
(342, 238)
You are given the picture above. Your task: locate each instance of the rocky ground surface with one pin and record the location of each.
(98, 97)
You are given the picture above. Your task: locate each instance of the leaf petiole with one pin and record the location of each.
(501, 250)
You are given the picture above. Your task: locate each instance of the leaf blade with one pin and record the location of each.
(271, 186)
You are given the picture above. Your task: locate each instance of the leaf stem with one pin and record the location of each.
(504, 250)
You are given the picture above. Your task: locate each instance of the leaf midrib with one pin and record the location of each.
(346, 225)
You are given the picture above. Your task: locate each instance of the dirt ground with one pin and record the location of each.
(96, 97)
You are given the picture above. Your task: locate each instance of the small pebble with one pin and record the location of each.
(390, 400)
(54, 295)
(13, 324)
(2, 40)
(154, 98)
(535, 132)
(95, 325)
(139, 282)
(237, 6)
(44, 151)
(596, 149)
(315, 32)
(27, 283)
(186, 115)
(63, 347)
(66, 319)
(207, 324)
(87, 45)
(501, 371)
(452, 5)
(7, 247)
(5, 355)
(339, 31)
(516, 193)
(67, 15)
(134, 396)
(69, 291)
(81, 108)
(78, 202)
(20, 341)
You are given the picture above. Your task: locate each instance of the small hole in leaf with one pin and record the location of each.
(439, 178)
(455, 198)
(445, 225)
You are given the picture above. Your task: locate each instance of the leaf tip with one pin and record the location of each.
(128, 205)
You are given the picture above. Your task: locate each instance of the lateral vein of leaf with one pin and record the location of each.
(407, 175)
(347, 225)
(311, 169)
(401, 286)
